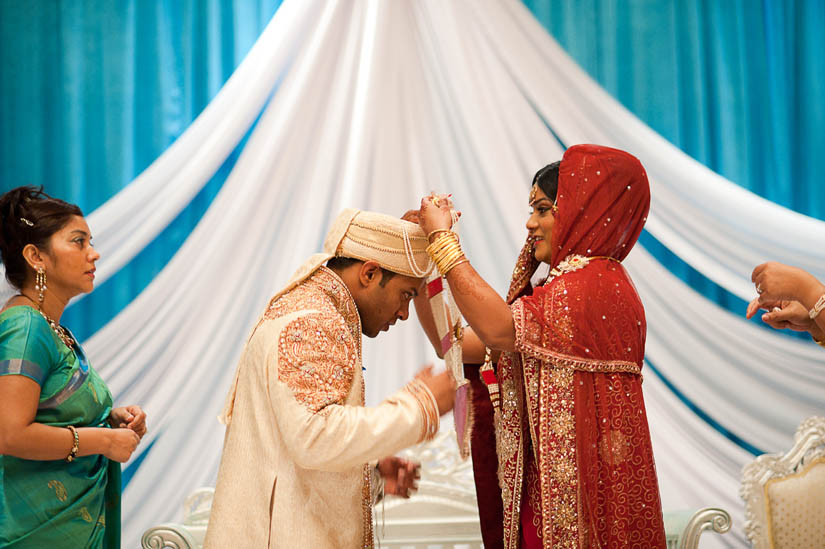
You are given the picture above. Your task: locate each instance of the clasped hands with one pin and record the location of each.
(435, 213)
(787, 293)
(129, 417)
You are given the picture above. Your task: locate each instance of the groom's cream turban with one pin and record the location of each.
(397, 245)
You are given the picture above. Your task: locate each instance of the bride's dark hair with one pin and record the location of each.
(547, 179)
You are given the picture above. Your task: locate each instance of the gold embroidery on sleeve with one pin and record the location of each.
(317, 360)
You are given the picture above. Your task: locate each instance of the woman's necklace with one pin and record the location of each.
(56, 328)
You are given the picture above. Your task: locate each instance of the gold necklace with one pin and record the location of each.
(59, 330)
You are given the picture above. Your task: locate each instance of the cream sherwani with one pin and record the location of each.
(294, 471)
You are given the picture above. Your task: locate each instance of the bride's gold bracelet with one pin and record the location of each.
(446, 252)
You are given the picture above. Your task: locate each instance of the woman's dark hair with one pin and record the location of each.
(547, 179)
(29, 216)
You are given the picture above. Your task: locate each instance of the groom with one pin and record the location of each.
(304, 460)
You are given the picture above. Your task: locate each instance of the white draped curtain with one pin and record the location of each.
(373, 104)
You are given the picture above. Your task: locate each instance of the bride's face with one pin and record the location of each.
(540, 223)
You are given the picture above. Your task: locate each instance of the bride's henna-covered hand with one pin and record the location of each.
(434, 218)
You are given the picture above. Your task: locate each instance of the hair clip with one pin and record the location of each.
(27, 222)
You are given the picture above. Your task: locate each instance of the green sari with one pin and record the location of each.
(56, 504)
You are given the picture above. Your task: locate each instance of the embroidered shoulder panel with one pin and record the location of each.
(318, 352)
(317, 360)
(323, 292)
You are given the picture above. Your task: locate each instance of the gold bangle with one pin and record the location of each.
(442, 246)
(444, 264)
(446, 252)
(439, 255)
(449, 256)
(452, 265)
(75, 445)
(437, 231)
(456, 264)
(443, 240)
(818, 342)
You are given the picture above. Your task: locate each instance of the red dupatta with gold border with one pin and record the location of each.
(575, 460)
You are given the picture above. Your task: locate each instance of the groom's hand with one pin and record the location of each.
(400, 475)
(411, 216)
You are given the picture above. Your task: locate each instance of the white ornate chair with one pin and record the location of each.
(785, 493)
(188, 535)
(443, 513)
(683, 528)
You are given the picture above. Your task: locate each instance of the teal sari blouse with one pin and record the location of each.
(56, 504)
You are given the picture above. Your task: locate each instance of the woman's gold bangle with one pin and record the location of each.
(442, 243)
(437, 232)
(450, 263)
(448, 258)
(445, 251)
(461, 260)
(443, 237)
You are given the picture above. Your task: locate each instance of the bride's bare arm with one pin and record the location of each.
(485, 310)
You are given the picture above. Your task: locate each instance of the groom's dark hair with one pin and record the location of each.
(338, 264)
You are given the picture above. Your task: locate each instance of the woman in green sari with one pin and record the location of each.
(61, 442)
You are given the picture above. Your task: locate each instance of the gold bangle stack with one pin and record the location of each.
(429, 409)
(75, 445)
(445, 251)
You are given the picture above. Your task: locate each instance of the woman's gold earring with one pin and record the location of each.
(40, 285)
